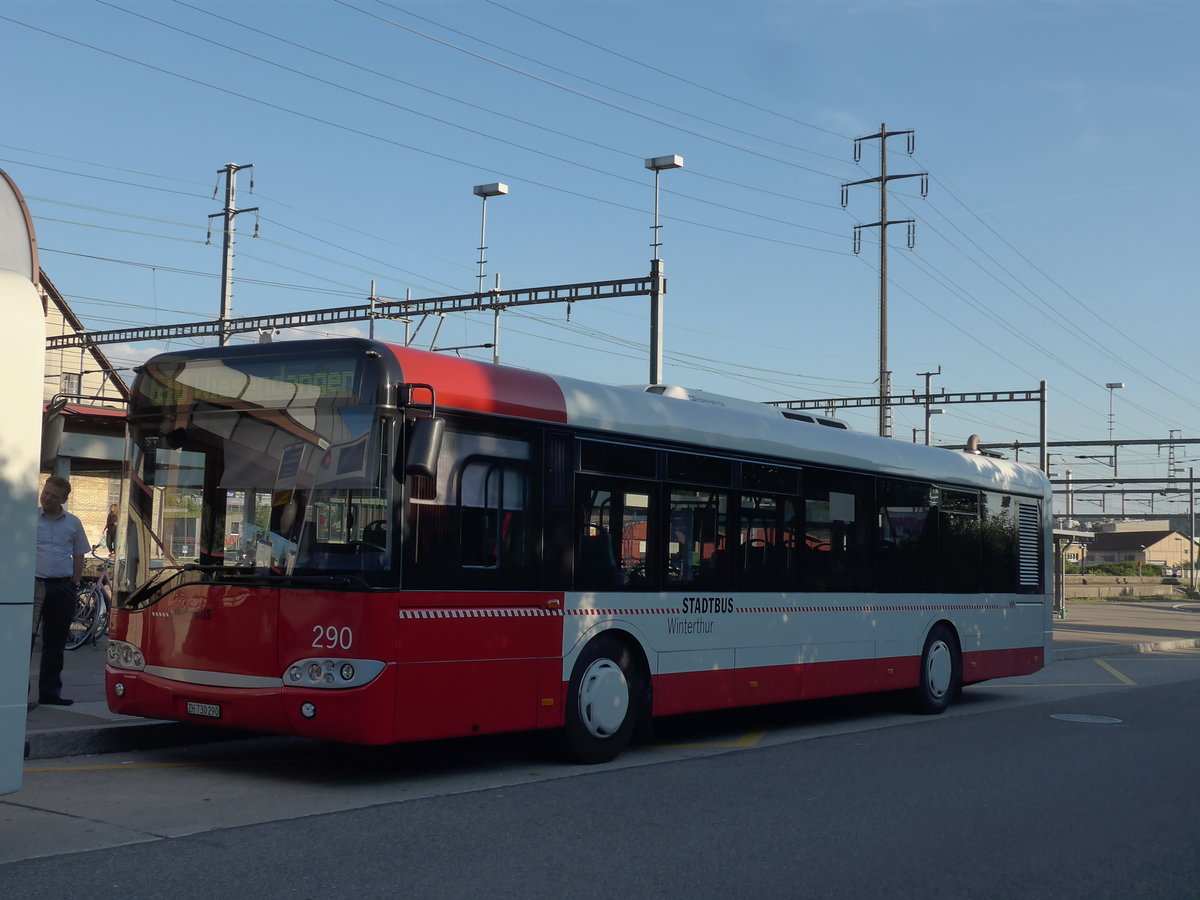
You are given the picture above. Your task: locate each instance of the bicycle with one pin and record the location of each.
(89, 622)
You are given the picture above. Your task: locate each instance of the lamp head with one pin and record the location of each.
(658, 163)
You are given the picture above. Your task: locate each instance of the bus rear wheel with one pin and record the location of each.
(941, 672)
(603, 701)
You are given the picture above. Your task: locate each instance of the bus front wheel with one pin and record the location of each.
(603, 700)
(941, 671)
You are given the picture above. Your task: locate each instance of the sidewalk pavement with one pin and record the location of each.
(1089, 629)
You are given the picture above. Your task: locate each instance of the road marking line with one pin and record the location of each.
(41, 770)
(127, 766)
(986, 686)
(1115, 674)
(747, 740)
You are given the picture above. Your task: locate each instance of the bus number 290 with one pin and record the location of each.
(330, 637)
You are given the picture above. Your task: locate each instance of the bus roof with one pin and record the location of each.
(693, 417)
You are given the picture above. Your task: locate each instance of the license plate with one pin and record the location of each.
(207, 710)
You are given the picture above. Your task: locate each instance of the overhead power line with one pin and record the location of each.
(617, 106)
(673, 75)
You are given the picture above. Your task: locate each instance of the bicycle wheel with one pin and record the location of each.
(100, 629)
(83, 621)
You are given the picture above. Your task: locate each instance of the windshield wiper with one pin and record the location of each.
(146, 595)
(171, 578)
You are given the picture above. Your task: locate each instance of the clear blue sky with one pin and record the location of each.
(1056, 243)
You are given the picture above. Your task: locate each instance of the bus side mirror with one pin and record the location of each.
(425, 446)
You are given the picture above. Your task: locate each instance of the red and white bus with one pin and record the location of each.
(393, 545)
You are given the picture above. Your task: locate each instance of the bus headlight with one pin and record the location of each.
(123, 655)
(331, 673)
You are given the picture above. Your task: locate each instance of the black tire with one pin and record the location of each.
(604, 700)
(101, 628)
(941, 672)
(83, 619)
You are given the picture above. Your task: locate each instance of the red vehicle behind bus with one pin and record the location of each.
(392, 545)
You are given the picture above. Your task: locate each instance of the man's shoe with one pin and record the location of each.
(55, 701)
(30, 706)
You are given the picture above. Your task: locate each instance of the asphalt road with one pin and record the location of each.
(1077, 781)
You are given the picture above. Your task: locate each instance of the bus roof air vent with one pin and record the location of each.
(668, 390)
(814, 420)
(707, 398)
(973, 446)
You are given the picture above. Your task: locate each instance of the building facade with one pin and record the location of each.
(84, 422)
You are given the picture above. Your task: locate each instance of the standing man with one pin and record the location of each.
(61, 549)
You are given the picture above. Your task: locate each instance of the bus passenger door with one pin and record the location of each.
(470, 635)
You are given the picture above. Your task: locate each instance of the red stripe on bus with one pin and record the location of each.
(483, 387)
(686, 692)
(980, 666)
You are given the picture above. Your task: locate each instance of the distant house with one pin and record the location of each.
(93, 401)
(1074, 548)
(1156, 548)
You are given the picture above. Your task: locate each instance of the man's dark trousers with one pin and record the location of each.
(57, 610)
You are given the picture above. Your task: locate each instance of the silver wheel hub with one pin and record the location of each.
(603, 698)
(939, 669)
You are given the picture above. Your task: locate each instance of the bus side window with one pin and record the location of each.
(697, 552)
(839, 510)
(999, 539)
(768, 543)
(494, 499)
(961, 553)
(597, 567)
(613, 530)
(908, 536)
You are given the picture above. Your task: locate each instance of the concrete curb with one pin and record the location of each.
(1124, 649)
(119, 737)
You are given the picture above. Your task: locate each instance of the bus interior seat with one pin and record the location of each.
(597, 565)
(375, 533)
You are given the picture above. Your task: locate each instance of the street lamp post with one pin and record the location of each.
(930, 412)
(1192, 526)
(1112, 386)
(483, 191)
(658, 285)
(1070, 499)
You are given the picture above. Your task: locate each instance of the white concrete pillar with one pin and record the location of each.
(22, 366)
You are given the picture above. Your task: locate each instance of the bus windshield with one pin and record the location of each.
(258, 464)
